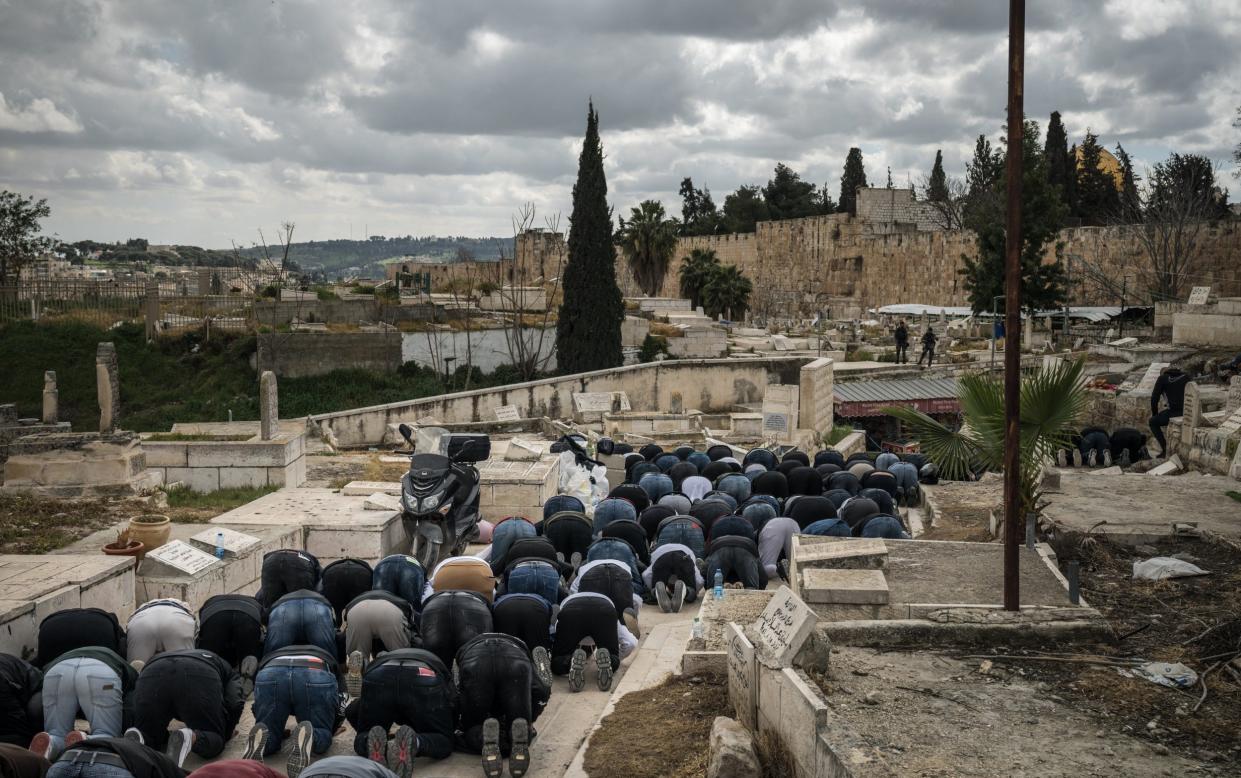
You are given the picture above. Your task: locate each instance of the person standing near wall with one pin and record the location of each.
(902, 342)
(928, 347)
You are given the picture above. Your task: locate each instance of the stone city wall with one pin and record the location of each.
(846, 263)
(297, 354)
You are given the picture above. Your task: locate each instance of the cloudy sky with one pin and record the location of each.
(200, 122)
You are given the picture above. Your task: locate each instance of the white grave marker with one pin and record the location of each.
(232, 541)
(784, 626)
(1199, 295)
(508, 413)
(1147, 384)
(178, 558)
(742, 686)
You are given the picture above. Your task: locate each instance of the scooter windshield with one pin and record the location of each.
(431, 440)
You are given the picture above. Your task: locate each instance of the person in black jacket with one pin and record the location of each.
(21, 700)
(928, 347)
(231, 625)
(73, 628)
(500, 697)
(195, 687)
(902, 342)
(285, 571)
(1171, 387)
(97, 681)
(302, 681)
(412, 689)
(17, 762)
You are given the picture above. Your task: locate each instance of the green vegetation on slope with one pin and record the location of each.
(185, 379)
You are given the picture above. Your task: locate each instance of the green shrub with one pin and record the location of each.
(652, 346)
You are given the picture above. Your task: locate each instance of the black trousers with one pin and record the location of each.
(612, 581)
(526, 618)
(737, 566)
(680, 565)
(928, 354)
(405, 693)
(569, 536)
(344, 580)
(585, 617)
(64, 631)
(450, 620)
(496, 680)
(902, 352)
(231, 631)
(190, 691)
(1097, 442)
(286, 571)
(1158, 422)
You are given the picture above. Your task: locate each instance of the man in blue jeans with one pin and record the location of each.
(402, 575)
(302, 616)
(533, 576)
(302, 681)
(96, 681)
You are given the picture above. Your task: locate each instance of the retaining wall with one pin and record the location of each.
(708, 385)
(298, 354)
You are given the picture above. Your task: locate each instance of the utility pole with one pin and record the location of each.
(1012, 310)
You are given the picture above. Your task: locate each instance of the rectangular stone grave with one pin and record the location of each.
(232, 541)
(367, 488)
(176, 557)
(1147, 384)
(508, 413)
(845, 587)
(589, 407)
(784, 626)
(1232, 424)
(862, 553)
(742, 682)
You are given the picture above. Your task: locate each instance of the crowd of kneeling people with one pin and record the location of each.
(376, 646)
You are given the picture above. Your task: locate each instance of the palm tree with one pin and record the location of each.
(648, 241)
(695, 270)
(1052, 399)
(726, 291)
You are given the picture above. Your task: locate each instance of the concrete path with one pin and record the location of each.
(566, 722)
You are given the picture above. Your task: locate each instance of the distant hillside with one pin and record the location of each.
(365, 257)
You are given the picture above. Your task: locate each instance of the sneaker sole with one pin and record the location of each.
(493, 762)
(299, 757)
(179, 744)
(577, 671)
(256, 742)
(542, 665)
(678, 597)
(401, 752)
(41, 744)
(661, 597)
(519, 750)
(377, 745)
(353, 678)
(603, 660)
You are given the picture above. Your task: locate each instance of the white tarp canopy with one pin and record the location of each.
(1091, 313)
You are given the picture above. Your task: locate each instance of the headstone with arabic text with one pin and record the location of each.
(742, 680)
(784, 627)
(232, 541)
(508, 413)
(176, 558)
(1199, 295)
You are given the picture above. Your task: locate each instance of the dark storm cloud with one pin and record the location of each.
(453, 111)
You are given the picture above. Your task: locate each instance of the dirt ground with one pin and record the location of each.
(962, 509)
(928, 714)
(662, 731)
(336, 470)
(1195, 621)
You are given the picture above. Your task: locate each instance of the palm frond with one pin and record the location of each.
(956, 453)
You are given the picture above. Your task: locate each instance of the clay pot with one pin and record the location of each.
(133, 548)
(150, 529)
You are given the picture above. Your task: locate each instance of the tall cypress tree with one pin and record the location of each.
(588, 332)
(854, 176)
(1130, 201)
(1070, 182)
(1097, 196)
(1056, 154)
(937, 187)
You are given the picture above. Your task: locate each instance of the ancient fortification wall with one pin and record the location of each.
(893, 252)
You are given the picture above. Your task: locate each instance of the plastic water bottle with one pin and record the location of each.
(695, 630)
(719, 584)
(219, 545)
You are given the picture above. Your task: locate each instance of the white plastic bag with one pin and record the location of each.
(1161, 567)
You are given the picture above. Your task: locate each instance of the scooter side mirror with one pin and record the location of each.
(406, 433)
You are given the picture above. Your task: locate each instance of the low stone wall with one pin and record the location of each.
(298, 354)
(1218, 325)
(208, 465)
(276, 313)
(711, 386)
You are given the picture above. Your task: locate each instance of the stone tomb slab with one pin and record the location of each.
(367, 488)
(852, 554)
(845, 587)
(742, 683)
(334, 526)
(783, 627)
(589, 407)
(238, 573)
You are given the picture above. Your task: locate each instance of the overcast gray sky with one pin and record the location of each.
(199, 122)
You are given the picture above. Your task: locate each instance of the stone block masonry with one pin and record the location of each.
(208, 466)
(298, 354)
